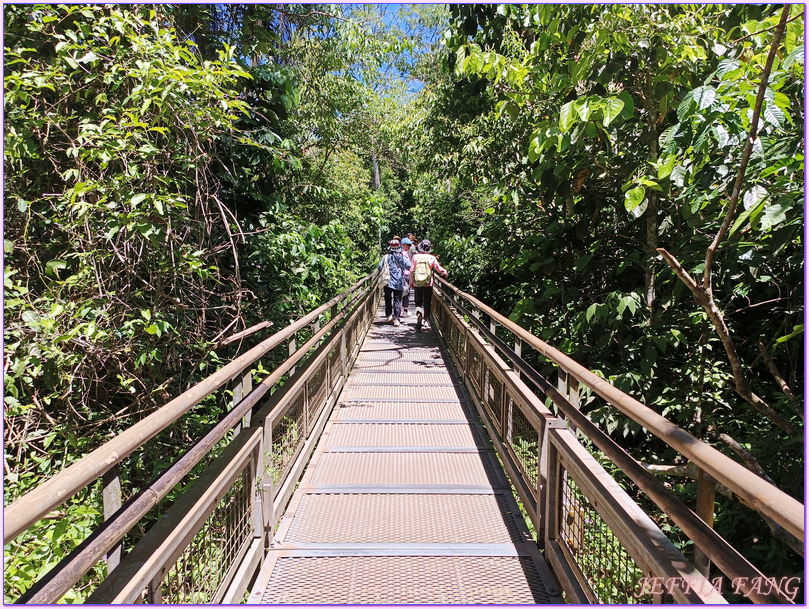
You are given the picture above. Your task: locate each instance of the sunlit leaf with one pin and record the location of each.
(612, 108)
(773, 215)
(665, 165)
(567, 116)
(634, 197)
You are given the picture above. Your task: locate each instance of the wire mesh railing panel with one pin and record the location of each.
(493, 396)
(452, 333)
(460, 342)
(199, 571)
(448, 327)
(441, 315)
(318, 390)
(288, 437)
(349, 333)
(334, 365)
(438, 312)
(475, 366)
(522, 440)
(603, 561)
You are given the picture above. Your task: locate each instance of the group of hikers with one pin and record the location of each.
(406, 268)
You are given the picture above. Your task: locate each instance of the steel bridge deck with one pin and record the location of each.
(404, 500)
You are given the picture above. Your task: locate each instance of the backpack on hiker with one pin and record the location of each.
(423, 272)
(384, 277)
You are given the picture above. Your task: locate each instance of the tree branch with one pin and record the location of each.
(798, 16)
(690, 470)
(775, 372)
(748, 150)
(750, 461)
(741, 386)
(704, 293)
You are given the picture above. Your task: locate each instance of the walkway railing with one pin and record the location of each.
(600, 543)
(208, 545)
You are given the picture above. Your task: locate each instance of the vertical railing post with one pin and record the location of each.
(544, 475)
(562, 386)
(241, 388)
(111, 494)
(573, 397)
(265, 487)
(154, 592)
(552, 498)
(343, 355)
(518, 352)
(255, 491)
(307, 424)
(293, 346)
(706, 499)
(568, 386)
(467, 359)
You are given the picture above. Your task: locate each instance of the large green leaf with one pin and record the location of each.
(665, 165)
(744, 216)
(726, 66)
(629, 105)
(583, 107)
(704, 96)
(567, 116)
(634, 197)
(774, 115)
(773, 215)
(684, 109)
(797, 54)
(678, 175)
(612, 108)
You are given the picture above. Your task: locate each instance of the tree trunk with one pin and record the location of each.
(377, 182)
(651, 209)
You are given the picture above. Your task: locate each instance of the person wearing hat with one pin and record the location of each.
(394, 263)
(407, 246)
(421, 279)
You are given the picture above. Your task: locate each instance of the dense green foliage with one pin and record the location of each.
(175, 174)
(562, 145)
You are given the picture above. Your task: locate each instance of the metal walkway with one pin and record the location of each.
(404, 500)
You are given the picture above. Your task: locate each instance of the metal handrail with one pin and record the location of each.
(763, 496)
(62, 577)
(31, 507)
(180, 523)
(716, 548)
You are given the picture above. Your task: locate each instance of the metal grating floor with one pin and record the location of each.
(404, 501)
(405, 580)
(401, 411)
(406, 469)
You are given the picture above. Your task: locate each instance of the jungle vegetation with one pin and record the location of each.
(177, 173)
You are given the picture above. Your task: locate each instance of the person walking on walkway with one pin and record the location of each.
(421, 278)
(393, 265)
(407, 250)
